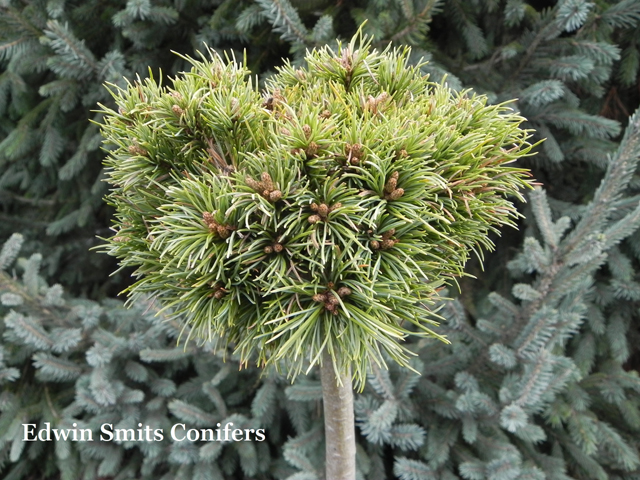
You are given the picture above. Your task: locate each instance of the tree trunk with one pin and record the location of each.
(339, 423)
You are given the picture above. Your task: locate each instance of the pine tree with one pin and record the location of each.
(303, 231)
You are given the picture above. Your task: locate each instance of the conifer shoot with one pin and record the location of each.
(315, 221)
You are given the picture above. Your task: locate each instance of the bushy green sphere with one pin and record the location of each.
(324, 213)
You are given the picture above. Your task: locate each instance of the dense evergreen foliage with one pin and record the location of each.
(287, 228)
(540, 380)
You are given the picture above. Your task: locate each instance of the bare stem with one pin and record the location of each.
(339, 423)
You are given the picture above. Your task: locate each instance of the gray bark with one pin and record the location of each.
(339, 423)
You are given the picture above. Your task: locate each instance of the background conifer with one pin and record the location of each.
(572, 67)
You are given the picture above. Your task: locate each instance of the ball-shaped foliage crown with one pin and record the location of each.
(324, 213)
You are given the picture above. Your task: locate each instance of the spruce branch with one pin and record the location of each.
(285, 20)
(472, 34)
(65, 44)
(596, 216)
(549, 30)
(21, 21)
(616, 179)
(417, 22)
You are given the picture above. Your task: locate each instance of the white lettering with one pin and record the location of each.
(106, 431)
(126, 432)
(173, 432)
(47, 433)
(61, 434)
(28, 431)
(227, 430)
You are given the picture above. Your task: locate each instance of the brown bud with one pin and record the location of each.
(375, 245)
(391, 184)
(285, 131)
(252, 183)
(177, 110)
(331, 299)
(266, 179)
(268, 103)
(370, 104)
(275, 195)
(222, 230)
(314, 219)
(396, 194)
(137, 150)
(314, 206)
(306, 129)
(277, 247)
(354, 153)
(268, 250)
(344, 291)
(319, 297)
(218, 294)
(277, 95)
(335, 206)
(325, 114)
(403, 153)
(209, 220)
(312, 149)
(388, 243)
(176, 95)
(389, 233)
(323, 210)
(332, 307)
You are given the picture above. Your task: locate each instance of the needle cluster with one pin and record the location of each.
(321, 214)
